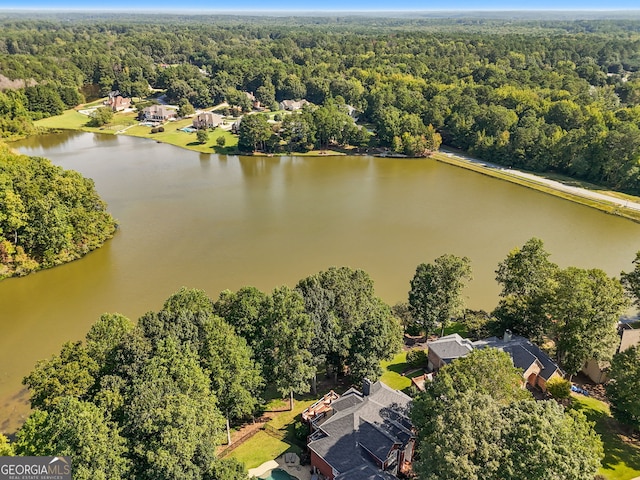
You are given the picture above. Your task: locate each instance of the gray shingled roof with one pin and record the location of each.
(364, 472)
(522, 351)
(375, 422)
(450, 347)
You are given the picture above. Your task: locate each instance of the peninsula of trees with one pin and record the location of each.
(48, 215)
(540, 95)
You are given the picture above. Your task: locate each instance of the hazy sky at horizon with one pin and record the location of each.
(326, 5)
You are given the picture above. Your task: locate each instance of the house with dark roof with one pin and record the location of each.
(446, 349)
(363, 435)
(537, 367)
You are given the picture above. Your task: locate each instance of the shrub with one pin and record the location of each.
(221, 141)
(417, 358)
(301, 431)
(154, 130)
(559, 388)
(160, 129)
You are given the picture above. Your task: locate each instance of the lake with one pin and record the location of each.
(218, 222)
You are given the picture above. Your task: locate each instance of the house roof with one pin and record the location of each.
(364, 426)
(450, 347)
(523, 352)
(364, 472)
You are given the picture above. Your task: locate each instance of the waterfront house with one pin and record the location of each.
(361, 435)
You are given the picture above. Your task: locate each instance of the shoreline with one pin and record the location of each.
(625, 206)
(622, 207)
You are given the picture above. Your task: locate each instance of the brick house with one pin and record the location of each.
(362, 435)
(537, 367)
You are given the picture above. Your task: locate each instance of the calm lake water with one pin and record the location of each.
(215, 222)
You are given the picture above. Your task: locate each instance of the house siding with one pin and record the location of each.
(323, 467)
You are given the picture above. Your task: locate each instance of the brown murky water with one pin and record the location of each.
(223, 222)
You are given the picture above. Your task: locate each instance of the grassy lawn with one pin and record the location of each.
(72, 120)
(622, 460)
(393, 369)
(69, 120)
(457, 327)
(261, 448)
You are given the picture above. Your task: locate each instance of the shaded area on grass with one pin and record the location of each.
(622, 458)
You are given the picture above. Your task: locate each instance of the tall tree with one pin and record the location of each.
(631, 281)
(171, 417)
(624, 386)
(377, 339)
(475, 421)
(254, 131)
(72, 373)
(236, 380)
(241, 310)
(80, 430)
(585, 311)
(340, 301)
(436, 291)
(287, 333)
(527, 277)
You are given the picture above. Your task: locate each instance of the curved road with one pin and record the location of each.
(581, 192)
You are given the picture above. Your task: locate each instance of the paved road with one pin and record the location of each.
(582, 192)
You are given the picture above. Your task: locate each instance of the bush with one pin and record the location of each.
(221, 141)
(559, 388)
(160, 129)
(301, 431)
(202, 136)
(154, 130)
(417, 358)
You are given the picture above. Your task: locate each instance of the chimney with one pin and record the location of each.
(507, 335)
(366, 387)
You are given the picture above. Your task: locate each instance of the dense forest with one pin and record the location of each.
(48, 215)
(546, 96)
(149, 400)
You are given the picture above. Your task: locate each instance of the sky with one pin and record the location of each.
(249, 6)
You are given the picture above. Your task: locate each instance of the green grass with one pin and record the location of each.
(261, 448)
(392, 376)
(457, 327)
(622, 459)
(72, 120)
(69, 120)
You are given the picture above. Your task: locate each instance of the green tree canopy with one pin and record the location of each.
(631, 281)
(436, 291)
(527, 277)
(253, 133)
(585, 309)
(47, 215)
(80, 430)
(624, 386)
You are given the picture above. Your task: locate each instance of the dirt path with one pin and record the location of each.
(581, 192)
